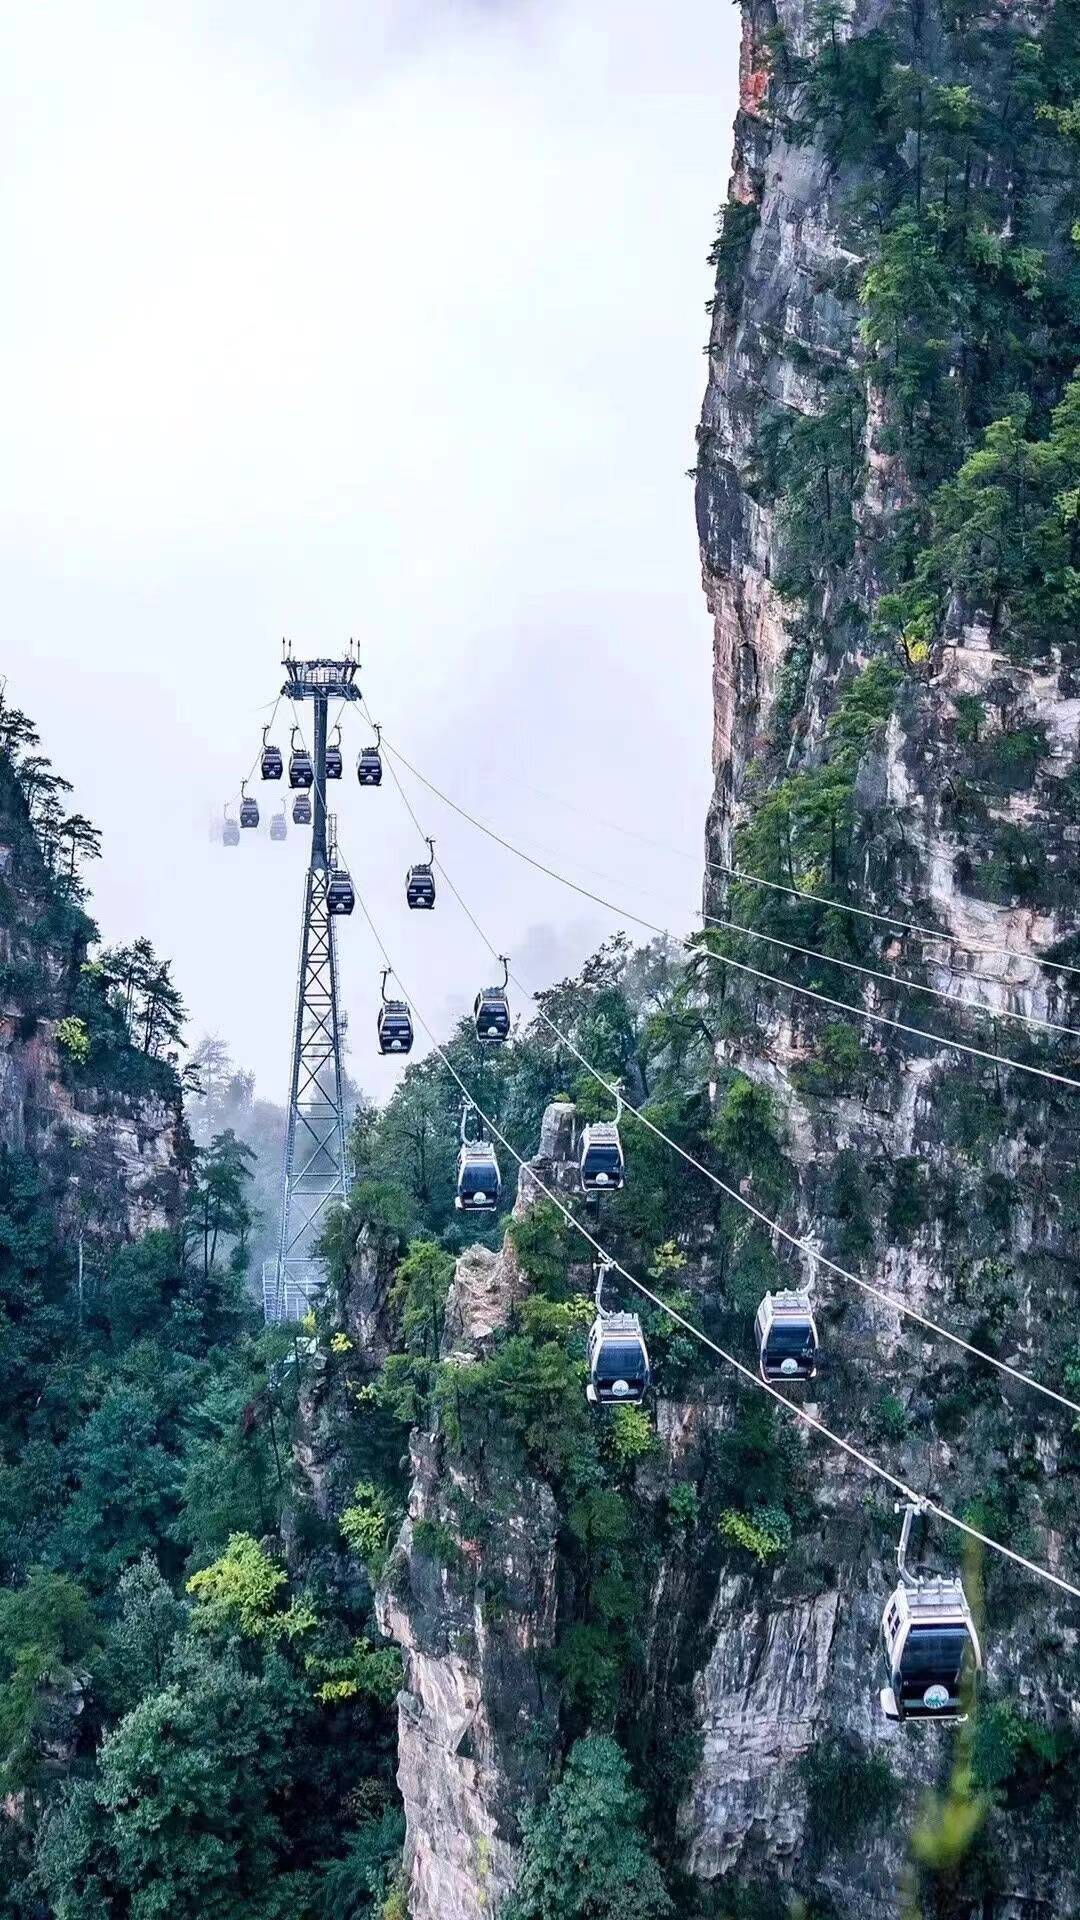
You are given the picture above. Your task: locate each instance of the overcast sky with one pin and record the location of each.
(364, 319)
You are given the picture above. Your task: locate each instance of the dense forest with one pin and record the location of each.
(195, 1707)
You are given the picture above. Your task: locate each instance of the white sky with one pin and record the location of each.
(363, 319)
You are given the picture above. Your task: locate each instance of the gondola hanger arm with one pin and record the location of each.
(912, 1510)
(602, 1272)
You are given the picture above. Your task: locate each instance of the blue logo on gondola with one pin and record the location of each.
(936, 1696)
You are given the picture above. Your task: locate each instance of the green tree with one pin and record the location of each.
(240, 1593)
(184, 1818)
(144, 1636)
(126, 1485)
(232, 1479)
(142, 989)
(218, 1208)
(584, 1856)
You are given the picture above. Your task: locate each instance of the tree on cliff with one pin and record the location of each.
(585, 1857)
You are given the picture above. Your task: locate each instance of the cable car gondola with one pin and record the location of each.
(786, 1335)
(334, 762)
(301, 771)
(932, 1650)
(340, 896)
(601, 1164)
(479, 1182)
(491, 1011)
(395, 1027)
(230, 832)
(271, 764)
(369, 763)
(249, 808)
(301, 809)
(420, 881)
(618, 1358)
(279, 826)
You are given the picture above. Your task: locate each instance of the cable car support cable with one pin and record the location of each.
(742, 966)
(954, 1002)
(251, 770)
(801, 893)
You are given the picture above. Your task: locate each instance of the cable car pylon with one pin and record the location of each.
(315, 1172)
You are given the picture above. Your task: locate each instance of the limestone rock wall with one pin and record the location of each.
(470, 1597)
(792, 1660)
(115, 1163)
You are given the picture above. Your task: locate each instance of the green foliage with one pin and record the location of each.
(48, 1637)
(536, 1393)
(218, 1209)
(357, 1884)
(365, 1669)
(596, 1649)
(125, 1486)
(910, 304)
(169, 1758)
(841, 1062)
(584, 1855)
(230, 1477)
(421, 1285)
(1014, 1756)
(756, 1463)
(73, 1037)
(140, 988)
(239, 1594)
(765, 1533)
(366, 1526)
(435, 1539)
(746, 1132)
(184, 1817)
(850, 1203)
(1005, 532)
(378, 1208)
(737, 223)
(560, 1320)
(892, 1418)
(814, 463)
(544, 1243)
(144, 1637)
(630, 1436)
(800, 831)
(754, 1267)
(683, 1509)
(909, 1202)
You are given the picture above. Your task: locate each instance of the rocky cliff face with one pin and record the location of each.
(114, 1160)
(470, 1596)
(822, 496)
(887, 486)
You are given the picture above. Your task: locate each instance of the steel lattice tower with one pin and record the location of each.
(315, 1171)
